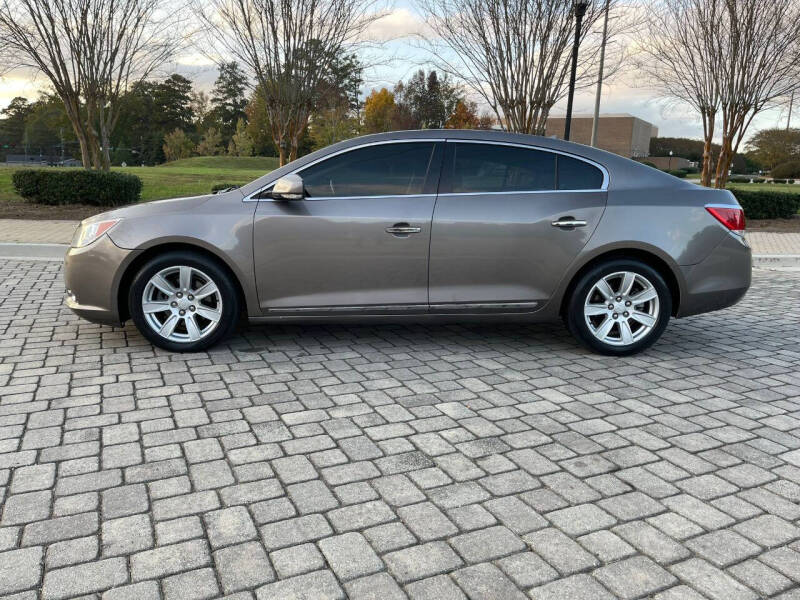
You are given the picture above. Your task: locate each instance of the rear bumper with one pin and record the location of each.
(719, 281)
(91, 277)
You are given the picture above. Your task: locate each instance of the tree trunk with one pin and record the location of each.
(73, 114)
(724, 163)
(91, 134)
(708, 134)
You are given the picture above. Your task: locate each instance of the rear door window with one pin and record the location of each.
(490, 168)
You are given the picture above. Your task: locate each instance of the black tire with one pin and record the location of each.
(577, 322)
(227, 294)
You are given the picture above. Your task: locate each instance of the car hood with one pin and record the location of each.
(161, 207)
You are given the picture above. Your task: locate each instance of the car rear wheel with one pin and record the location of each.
(183, 302)
(619, 307)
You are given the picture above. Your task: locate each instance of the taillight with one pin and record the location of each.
(730, 216)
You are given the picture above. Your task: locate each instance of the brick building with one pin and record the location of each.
(621, 134)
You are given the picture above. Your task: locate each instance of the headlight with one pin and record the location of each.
(88, 233)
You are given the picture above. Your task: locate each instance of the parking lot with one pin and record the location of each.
(429, 462)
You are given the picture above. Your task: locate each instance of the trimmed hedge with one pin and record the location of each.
(787, 170)
(225, 186)
(77, 186)
(758, 204)
(679, 173)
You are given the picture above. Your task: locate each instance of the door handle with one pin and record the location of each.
(402, 229)
(568, 223)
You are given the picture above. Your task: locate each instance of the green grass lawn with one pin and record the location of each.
(188, 177)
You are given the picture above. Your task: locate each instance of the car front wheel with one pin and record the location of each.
(619, 307)
(183, 302)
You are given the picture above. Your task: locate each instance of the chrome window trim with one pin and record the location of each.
(602, 188)
(518, 192)
(251, 198)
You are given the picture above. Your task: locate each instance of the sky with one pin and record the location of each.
(400, 55)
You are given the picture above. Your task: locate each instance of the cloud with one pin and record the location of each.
(194, 60)
(400, 22)
(12, 86)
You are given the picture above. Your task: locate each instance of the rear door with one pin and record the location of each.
(359, 240)
(508, 222)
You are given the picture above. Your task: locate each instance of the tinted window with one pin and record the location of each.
(575, 174)
(495, 168)
(380, 170)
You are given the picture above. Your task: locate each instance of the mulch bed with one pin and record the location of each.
(41, 212)
(775, 225)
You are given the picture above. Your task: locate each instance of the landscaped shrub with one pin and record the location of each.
(77, 186)
(778, 181)
(766, 204)
(758, 180)
(787, 170)
(681, 174)
(219, 187)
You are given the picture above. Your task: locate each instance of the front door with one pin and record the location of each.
(508, 222)
(359, 240)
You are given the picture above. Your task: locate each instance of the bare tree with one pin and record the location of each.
(122, 44)
(514, 54)
(761, 67)
(5, 57)
(727, 59)
(288, 46)
(90, 51)
(681, 54)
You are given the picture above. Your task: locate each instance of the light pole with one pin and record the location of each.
(670, 160)
(596, 121)
(579, 6)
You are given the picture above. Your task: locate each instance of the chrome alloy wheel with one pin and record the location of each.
(182, 304)
(621, 308)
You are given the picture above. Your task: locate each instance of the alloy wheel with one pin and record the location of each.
(621, 308)
(182, 304)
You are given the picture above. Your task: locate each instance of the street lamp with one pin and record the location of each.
(579, 6)
(670, 160)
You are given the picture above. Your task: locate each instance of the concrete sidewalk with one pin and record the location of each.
(22, 231)
(786, 246)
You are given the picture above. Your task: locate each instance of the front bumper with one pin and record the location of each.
(719, 281)
(92, 276)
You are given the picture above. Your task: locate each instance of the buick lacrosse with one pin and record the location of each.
(421, 226)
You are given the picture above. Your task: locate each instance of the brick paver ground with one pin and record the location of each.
(489, 462)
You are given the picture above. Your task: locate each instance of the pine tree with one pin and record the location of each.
(228, 99)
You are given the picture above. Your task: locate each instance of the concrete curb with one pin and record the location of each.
(54, 252)
(776, 260)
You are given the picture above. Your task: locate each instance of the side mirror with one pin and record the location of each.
(289, 187)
